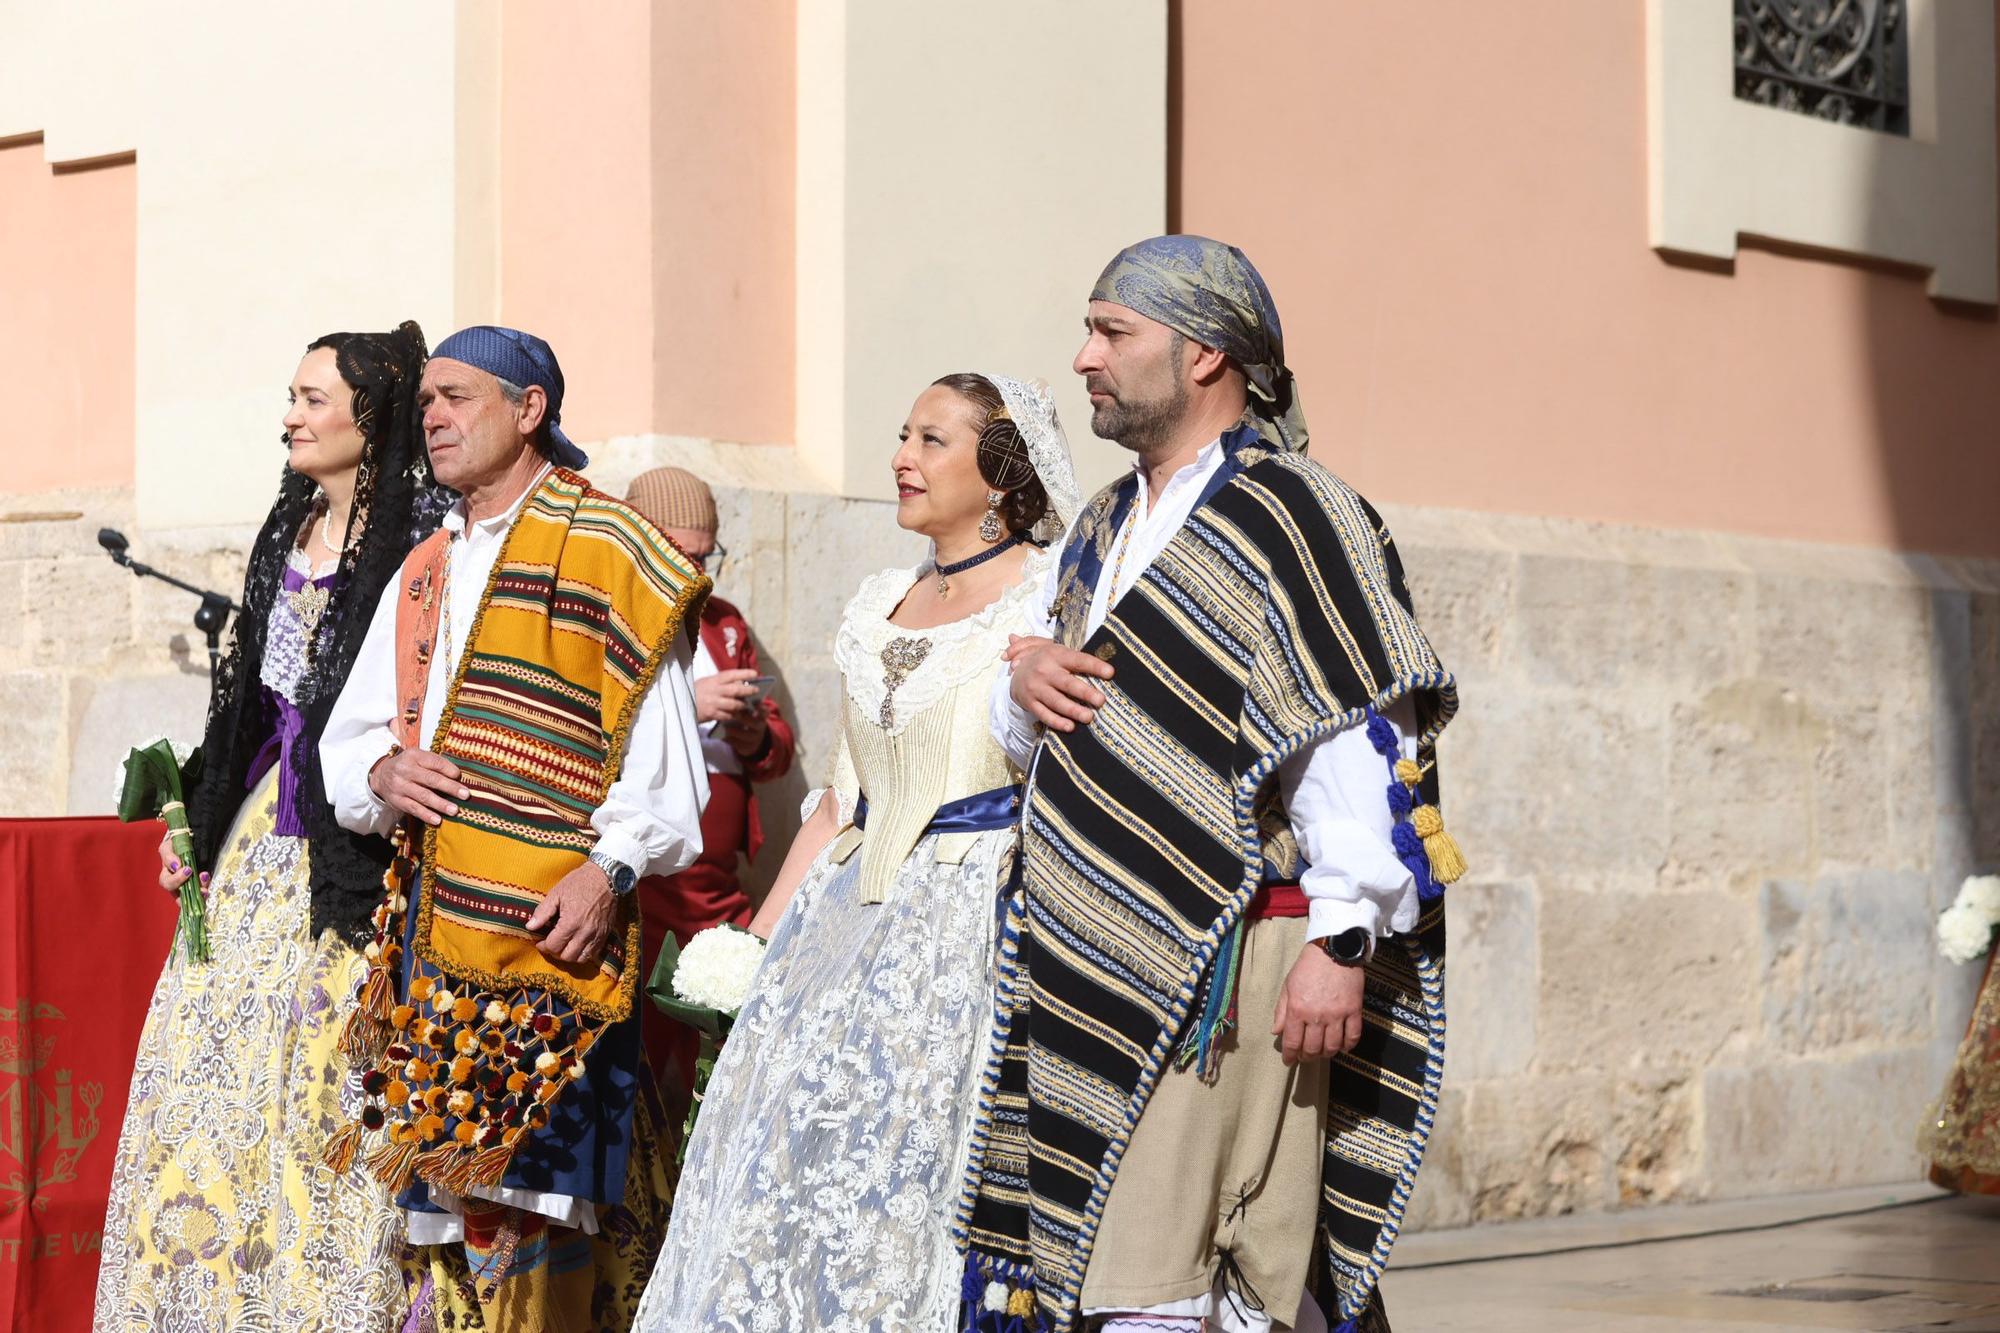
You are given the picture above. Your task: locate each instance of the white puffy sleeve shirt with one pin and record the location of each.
(651, 817)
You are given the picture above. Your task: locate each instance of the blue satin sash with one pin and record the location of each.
(977, 813)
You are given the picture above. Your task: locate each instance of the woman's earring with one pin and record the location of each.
(989, 527)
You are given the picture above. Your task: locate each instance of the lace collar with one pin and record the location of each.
(893, 673)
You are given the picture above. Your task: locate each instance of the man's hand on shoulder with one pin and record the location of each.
(417, 782)
(1053, 683)
(577, 914)
(1319, 1010)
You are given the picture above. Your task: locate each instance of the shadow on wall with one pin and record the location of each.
(1929, 373)
(778, 800)
(1936, 402)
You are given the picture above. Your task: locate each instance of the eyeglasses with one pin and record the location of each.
(712, 561)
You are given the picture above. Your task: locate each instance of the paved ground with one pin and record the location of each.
(1899, 1259)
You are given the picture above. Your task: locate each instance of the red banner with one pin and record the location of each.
(88, 928)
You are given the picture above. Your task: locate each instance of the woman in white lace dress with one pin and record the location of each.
(824, 1172)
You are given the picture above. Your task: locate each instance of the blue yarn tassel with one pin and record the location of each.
(1218, 1006)
(981, 1270)
(1402, 800)
(1349, 1326)
(970, 1288)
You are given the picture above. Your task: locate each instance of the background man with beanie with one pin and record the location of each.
(745, 740)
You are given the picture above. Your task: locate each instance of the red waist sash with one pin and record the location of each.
(1277, 900)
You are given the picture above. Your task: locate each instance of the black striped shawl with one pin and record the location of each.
(1276, 616)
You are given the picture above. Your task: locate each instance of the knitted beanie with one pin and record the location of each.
(673, 497)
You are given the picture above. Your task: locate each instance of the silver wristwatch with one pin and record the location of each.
(623, 877)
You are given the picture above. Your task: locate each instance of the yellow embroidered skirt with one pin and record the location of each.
(222, 1215)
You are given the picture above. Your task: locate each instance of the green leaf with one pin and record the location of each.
(152, 779)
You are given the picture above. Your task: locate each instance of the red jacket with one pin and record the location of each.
(707, 893)
(726, 635)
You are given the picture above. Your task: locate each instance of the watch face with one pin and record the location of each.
(1349, 946)
(624, 879)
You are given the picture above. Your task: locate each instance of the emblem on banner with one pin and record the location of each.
(47, 1120)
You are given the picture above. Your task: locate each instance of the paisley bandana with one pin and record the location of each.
(1212, 293)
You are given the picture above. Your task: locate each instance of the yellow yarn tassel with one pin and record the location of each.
(366, 1034)
(434, 1166)
(1447, 862)
(394, 1164)
(1409, 772)
(340, 1149)
(375, 994)
(457, 1175)
(363, 1038)
(489, 1165)
(1020, 1302)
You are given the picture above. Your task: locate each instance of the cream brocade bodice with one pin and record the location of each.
(914, 720)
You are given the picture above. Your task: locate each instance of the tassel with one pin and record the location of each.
(363, 1039)
(366, 1033)
(432, 1167)
(488, 1166)
(394, 1164)
(375, 994)
(457, 1179)
(1447, 862)
(1349, 1326)
(970, 1288)
(1215, 1005)
(340, 1149)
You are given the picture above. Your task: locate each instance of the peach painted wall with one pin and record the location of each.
(1454, 222)
(645, 179)
(575, 188)
(67, 261)
(724, 136)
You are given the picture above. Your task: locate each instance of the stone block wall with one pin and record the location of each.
(93, 659)
(1713, 791)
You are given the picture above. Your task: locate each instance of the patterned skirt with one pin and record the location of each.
(1962, 1135)
(222, 1215)
(826, 1168)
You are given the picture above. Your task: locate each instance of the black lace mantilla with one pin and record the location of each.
(396, 504)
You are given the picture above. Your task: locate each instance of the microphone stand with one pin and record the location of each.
(211, 617)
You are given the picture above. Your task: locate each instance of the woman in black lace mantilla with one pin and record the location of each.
(221, 1211)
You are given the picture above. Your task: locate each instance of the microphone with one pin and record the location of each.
(211, 617)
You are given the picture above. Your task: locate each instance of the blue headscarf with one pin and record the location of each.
(520, 359)
(1212, 293)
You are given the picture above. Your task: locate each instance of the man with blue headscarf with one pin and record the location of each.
(1221, 990)
(520, 722)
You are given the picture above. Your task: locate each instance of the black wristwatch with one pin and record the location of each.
(1349, 947)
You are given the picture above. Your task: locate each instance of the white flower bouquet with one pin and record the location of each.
(704, 986)
(1965, 929)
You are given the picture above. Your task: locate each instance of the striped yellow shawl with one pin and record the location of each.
(579, 612)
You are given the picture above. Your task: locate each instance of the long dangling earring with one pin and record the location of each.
(989, 527)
